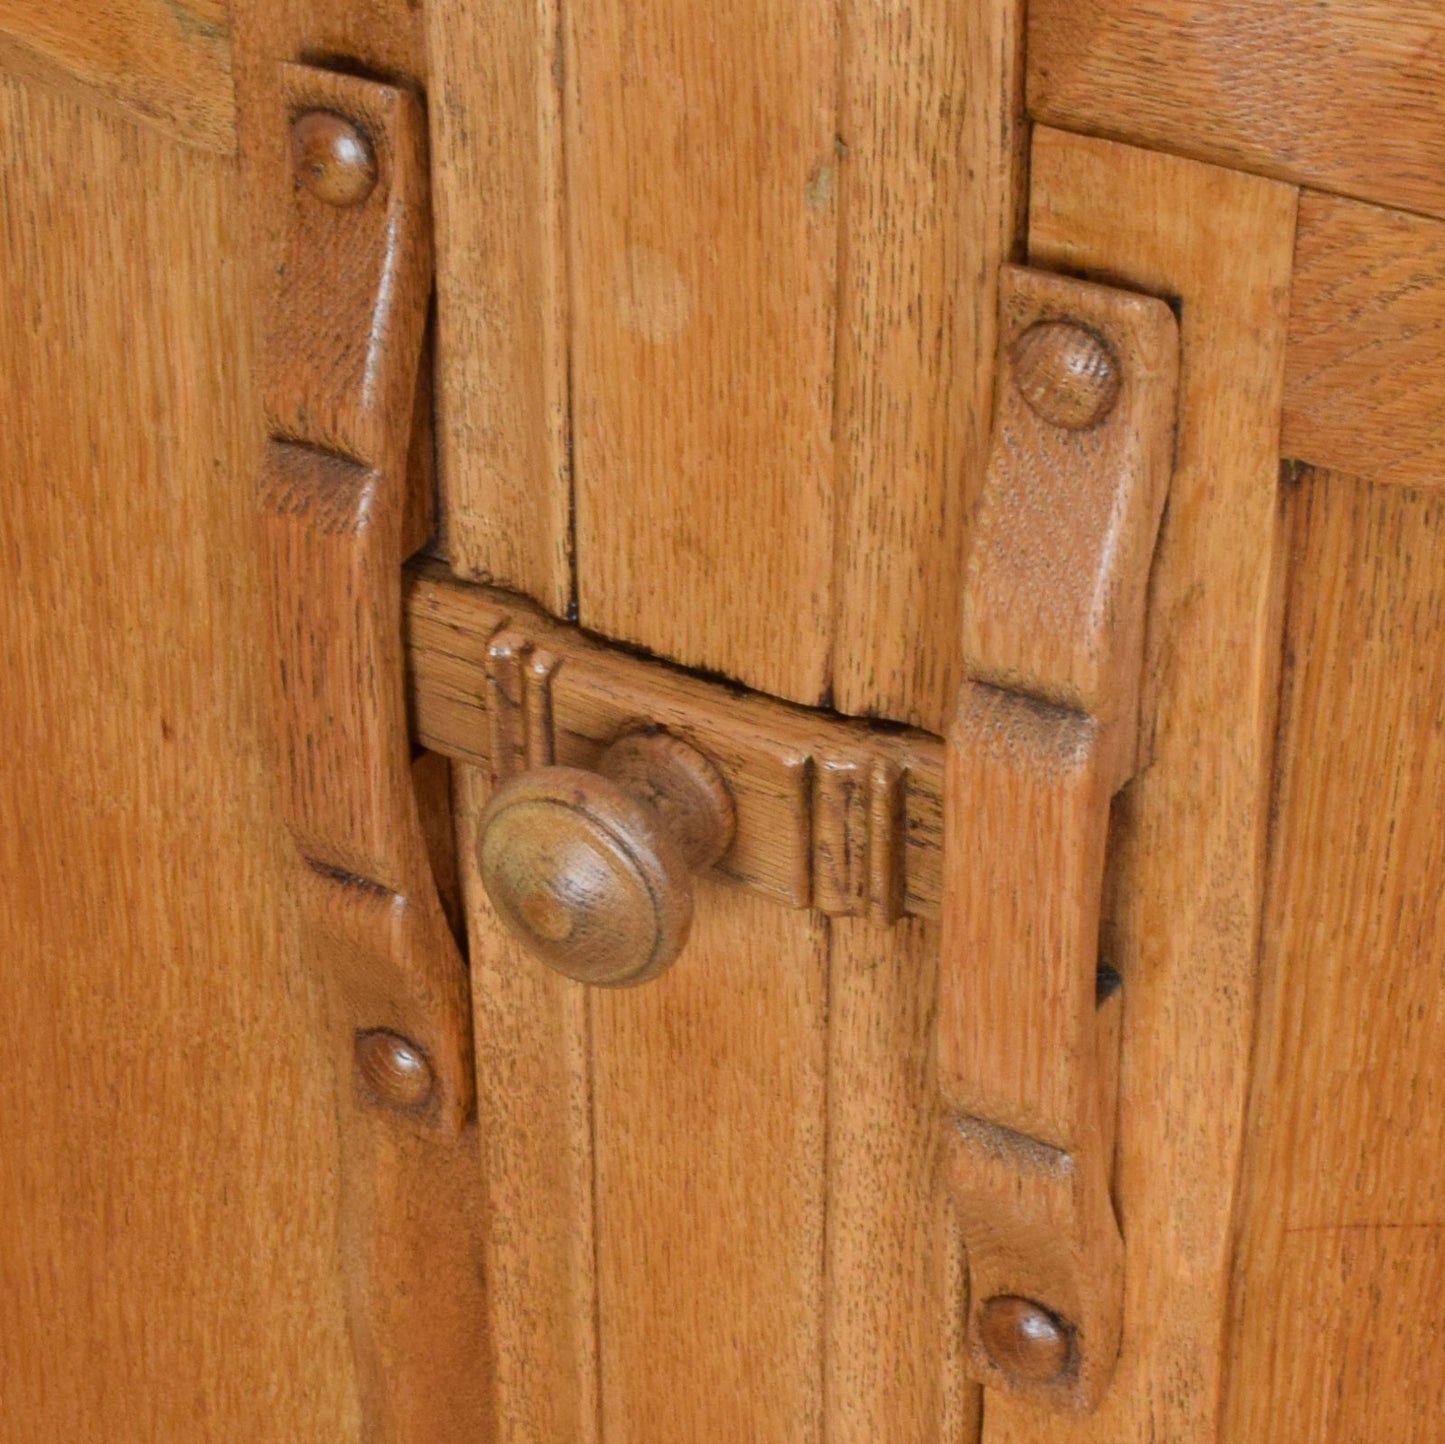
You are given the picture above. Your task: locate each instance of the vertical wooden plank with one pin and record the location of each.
(702, 170)
(502, 413)
(1188, 914)
(895, 1304)
(167, 1265)
(929, 194)
(409, 1251)
(1337, 1333)
(534, 1114)
(709, 1087)
(702, 164)
(929, 198)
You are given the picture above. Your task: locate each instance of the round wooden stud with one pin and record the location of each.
(1066, 373)
(394, 1069)
(592, 871)
(1025, 1340)
(332, 158)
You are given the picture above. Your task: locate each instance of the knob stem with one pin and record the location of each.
(673, 779)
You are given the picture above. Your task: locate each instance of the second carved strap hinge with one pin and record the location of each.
(1046, 733)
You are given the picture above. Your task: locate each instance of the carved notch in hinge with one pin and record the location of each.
(1045, 734)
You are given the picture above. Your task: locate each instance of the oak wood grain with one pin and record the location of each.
(534, 1114)
(710, 1098)
(1187, 913)
(1044, 735)
(504, 422)
(167, 1268)
(1336, 1331)
(896, 1287)
(378, 38)
(930, 190)
(592, 870)
(1342, 95)
(1363, 392)
(159, 63)
(702, 161)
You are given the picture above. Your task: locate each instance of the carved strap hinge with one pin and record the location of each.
(1045, 735)
(337, 174)
(342, 349)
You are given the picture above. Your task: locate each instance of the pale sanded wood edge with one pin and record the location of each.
(1342, 96)
(1364, 390)
(832, 813)
(150, 61)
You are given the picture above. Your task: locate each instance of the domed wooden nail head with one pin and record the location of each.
(332, 158)
(1025, 1340)
(394, 1069)
(592, 871)
(1066, 373)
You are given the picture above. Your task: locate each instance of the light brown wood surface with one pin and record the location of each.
(503, 418)
(748, 255)
(167, 1265)
(760, 366)
(693, 1305)
(158, 63)
(702, 160)
(705, 191)
(592, 870)
(931, 196)
(713, 1202)
(710, 1209)
(929, 191)
(534, 1115)
(895, 1281)
(1363, 390)
(1336, 1331)
(1342, 95)
(1187, 903)
(379, 38)
(343, 319)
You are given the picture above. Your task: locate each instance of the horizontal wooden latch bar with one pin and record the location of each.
(832, 813)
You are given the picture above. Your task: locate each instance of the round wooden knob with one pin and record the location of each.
(593, 870)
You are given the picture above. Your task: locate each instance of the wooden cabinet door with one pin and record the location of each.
(714, 376)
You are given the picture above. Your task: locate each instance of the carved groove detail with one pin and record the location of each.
(519, 705)
(858, 827)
